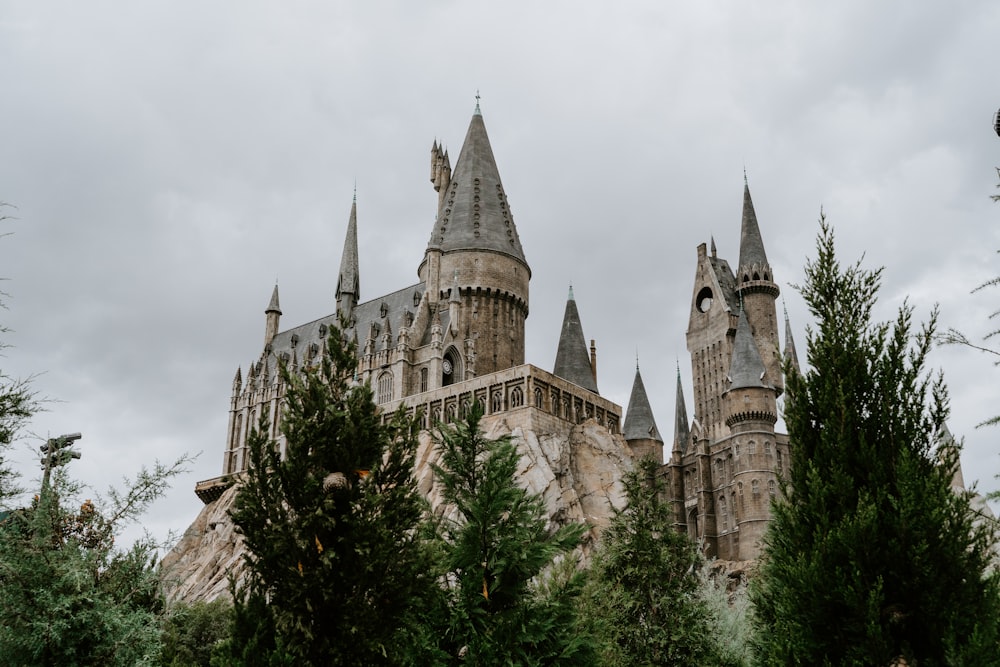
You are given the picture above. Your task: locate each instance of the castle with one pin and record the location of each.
(457, 336)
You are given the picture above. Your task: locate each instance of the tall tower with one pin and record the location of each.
(475, 247)
(751, 412)
(272, 317)
(758, 291)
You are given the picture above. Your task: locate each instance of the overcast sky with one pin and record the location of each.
(170, 160)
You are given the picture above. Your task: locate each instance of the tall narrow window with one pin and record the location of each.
(423, 379)
(383, 392)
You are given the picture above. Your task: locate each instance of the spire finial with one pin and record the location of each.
(678, 368)
(477, 112)
(784, 307)
(355, 190)
(637, 358)
(745, 182)
(571, 297)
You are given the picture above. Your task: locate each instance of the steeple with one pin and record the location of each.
(752, 255)
(348, 282)
(639, 423)
(272, 316)
(747, 367)
(682, 428)
(572, 358)
(474, 214)
(790, 355)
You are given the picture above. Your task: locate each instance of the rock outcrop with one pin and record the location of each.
(577, 469)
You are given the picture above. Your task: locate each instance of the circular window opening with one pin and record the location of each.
(704, 299)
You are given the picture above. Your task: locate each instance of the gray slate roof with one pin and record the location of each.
(639, 422)
(572, 357)
(747, 367)
(475, 214)
(751, 244)
(366, 315)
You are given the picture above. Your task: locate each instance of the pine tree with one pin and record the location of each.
(506, 603)
(330, 527)
(871, 556)
(644, 591)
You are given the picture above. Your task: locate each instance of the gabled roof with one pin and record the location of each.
(747, 367)
(751, 244)
(475, 214)
(639, 423)
(572, 358)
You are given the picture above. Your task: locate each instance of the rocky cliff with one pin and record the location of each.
(576, 469)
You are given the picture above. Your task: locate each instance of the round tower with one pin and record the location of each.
(475, 248)
(751, 412)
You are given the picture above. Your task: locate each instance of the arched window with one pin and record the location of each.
(238, 431)
(450, 413)
(538, 398)
(451, 367)
(755, 488)
(723, 512)
(772, 488)
(780, 462)
(497, 403)
(252, 424)
(751, 448)
(516, 397)
(736, 516)
(739, 487)
(767, 448)
(383, 393)
(423, 379)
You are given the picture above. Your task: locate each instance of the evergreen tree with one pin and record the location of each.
(330, 527)
(870, 555)
(68, 596)
(506, 605)
(644, 597)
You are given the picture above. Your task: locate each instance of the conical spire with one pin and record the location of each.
(790, 355)
(639, 422)
(751, 245)
(474, 213)
(747, 367)
(572, 357)
(682, 428)
(348, 282)
(273, 306)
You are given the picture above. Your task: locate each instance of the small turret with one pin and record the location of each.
(237, 382)
(572, 360)
(682, 428)
(791, 358)
(272, 317)
(639, 428)
(348, 281)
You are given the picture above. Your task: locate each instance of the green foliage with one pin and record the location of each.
(643, 595)
(504, 606)
(67, 595)
(732, 619)
(192, 631)
(330, 527)
(870, 554)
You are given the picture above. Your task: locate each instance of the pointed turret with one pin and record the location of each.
(790, 355)
(758, 291)
(474, 233)
(747, 367)
(348, 281)
(752, 255)
(682, 428)
(572, 358)
(272, 317)
(474, 213)
(639, 428)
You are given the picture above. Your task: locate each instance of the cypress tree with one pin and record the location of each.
(871, 556)
(330, 526)
(643, 597)
(506, 605)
